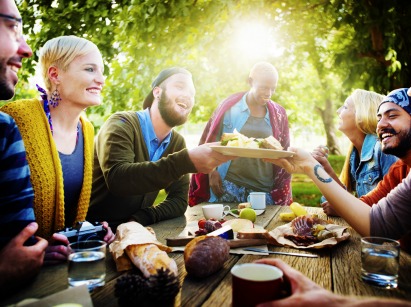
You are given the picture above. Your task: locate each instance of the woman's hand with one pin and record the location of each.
(321, 155)
(57, 251)
(110, 236)
(328, 209)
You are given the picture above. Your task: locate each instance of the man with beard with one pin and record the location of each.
(253, 114)
(390, 217)
(138, 153)
(21, 255)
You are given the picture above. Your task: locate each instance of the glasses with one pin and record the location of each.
(17, 25)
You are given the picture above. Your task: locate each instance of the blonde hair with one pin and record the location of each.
(366, 105)
(60, 52)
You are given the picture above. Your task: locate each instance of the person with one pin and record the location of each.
(391, 216)
(138, 153)
(365, 164)
(253, 114)
(21, 254)
(59, 139)
(306, 293)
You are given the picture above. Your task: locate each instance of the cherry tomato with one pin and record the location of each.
(201, 223)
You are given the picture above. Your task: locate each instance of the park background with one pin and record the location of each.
(323, 50)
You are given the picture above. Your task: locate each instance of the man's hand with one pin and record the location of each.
(19, 263)
(216, 184)
(304, 292)
(57, 251)
(205, 159)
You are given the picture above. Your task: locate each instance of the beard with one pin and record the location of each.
(403, 146)
(170, 116)
(6, 91)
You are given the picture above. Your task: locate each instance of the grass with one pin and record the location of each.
(304, 190)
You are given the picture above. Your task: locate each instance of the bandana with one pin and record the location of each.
(162, 76)
(399, 97)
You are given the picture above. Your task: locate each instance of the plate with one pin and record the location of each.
(259, 212)
(260, 153)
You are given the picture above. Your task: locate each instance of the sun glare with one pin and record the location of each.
(256, 40)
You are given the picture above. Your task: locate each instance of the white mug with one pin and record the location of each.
(215, 211)
(257, 200)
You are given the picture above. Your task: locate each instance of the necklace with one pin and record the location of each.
(46, 108)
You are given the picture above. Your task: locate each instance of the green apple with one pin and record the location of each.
(248, 214)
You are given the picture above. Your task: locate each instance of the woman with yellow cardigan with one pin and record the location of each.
(59, 139)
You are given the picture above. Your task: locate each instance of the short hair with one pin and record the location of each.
(366, 104)
(262, 68)
(60, 52)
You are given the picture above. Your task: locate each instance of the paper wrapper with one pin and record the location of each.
(132, 233)
(341, 232)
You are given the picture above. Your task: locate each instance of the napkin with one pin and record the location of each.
(132, 233)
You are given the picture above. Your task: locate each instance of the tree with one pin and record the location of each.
(323, 49)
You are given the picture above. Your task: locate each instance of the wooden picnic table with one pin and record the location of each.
(337, 269)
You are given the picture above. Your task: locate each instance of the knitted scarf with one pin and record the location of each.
(45, 166)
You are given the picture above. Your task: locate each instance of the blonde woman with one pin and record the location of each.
(365, 164)
(58, 137)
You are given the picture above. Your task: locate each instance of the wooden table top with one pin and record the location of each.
(337, 269)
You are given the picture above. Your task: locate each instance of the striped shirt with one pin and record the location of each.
(16, 192)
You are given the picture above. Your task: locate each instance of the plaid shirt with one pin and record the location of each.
(281, 193)
(16, 192)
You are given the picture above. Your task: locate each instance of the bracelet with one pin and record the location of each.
(318, 176)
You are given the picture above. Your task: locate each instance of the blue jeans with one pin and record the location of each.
(237, 194)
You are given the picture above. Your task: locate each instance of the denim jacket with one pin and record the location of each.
(367, 171)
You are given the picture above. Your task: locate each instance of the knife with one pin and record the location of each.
(252, 249)
(182, 241)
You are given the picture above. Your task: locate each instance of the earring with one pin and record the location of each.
(55, 98)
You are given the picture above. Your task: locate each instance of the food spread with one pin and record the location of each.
(236, 139)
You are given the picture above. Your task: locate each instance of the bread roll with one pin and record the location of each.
(205, 255)
(149, 258)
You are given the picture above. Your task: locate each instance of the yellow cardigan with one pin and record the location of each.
(45, 166)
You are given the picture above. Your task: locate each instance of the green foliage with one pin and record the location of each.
(322, 48)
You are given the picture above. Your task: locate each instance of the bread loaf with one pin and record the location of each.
(149, 258)
(254, 233)
(205, 255)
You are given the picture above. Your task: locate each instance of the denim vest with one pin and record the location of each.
(372, 167)
(235, 118)
(367, 171)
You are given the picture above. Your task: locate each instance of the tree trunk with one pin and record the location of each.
(327, 115)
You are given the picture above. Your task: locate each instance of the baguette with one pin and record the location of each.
(149, 258)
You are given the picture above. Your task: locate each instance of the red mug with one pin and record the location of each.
(255, 283)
